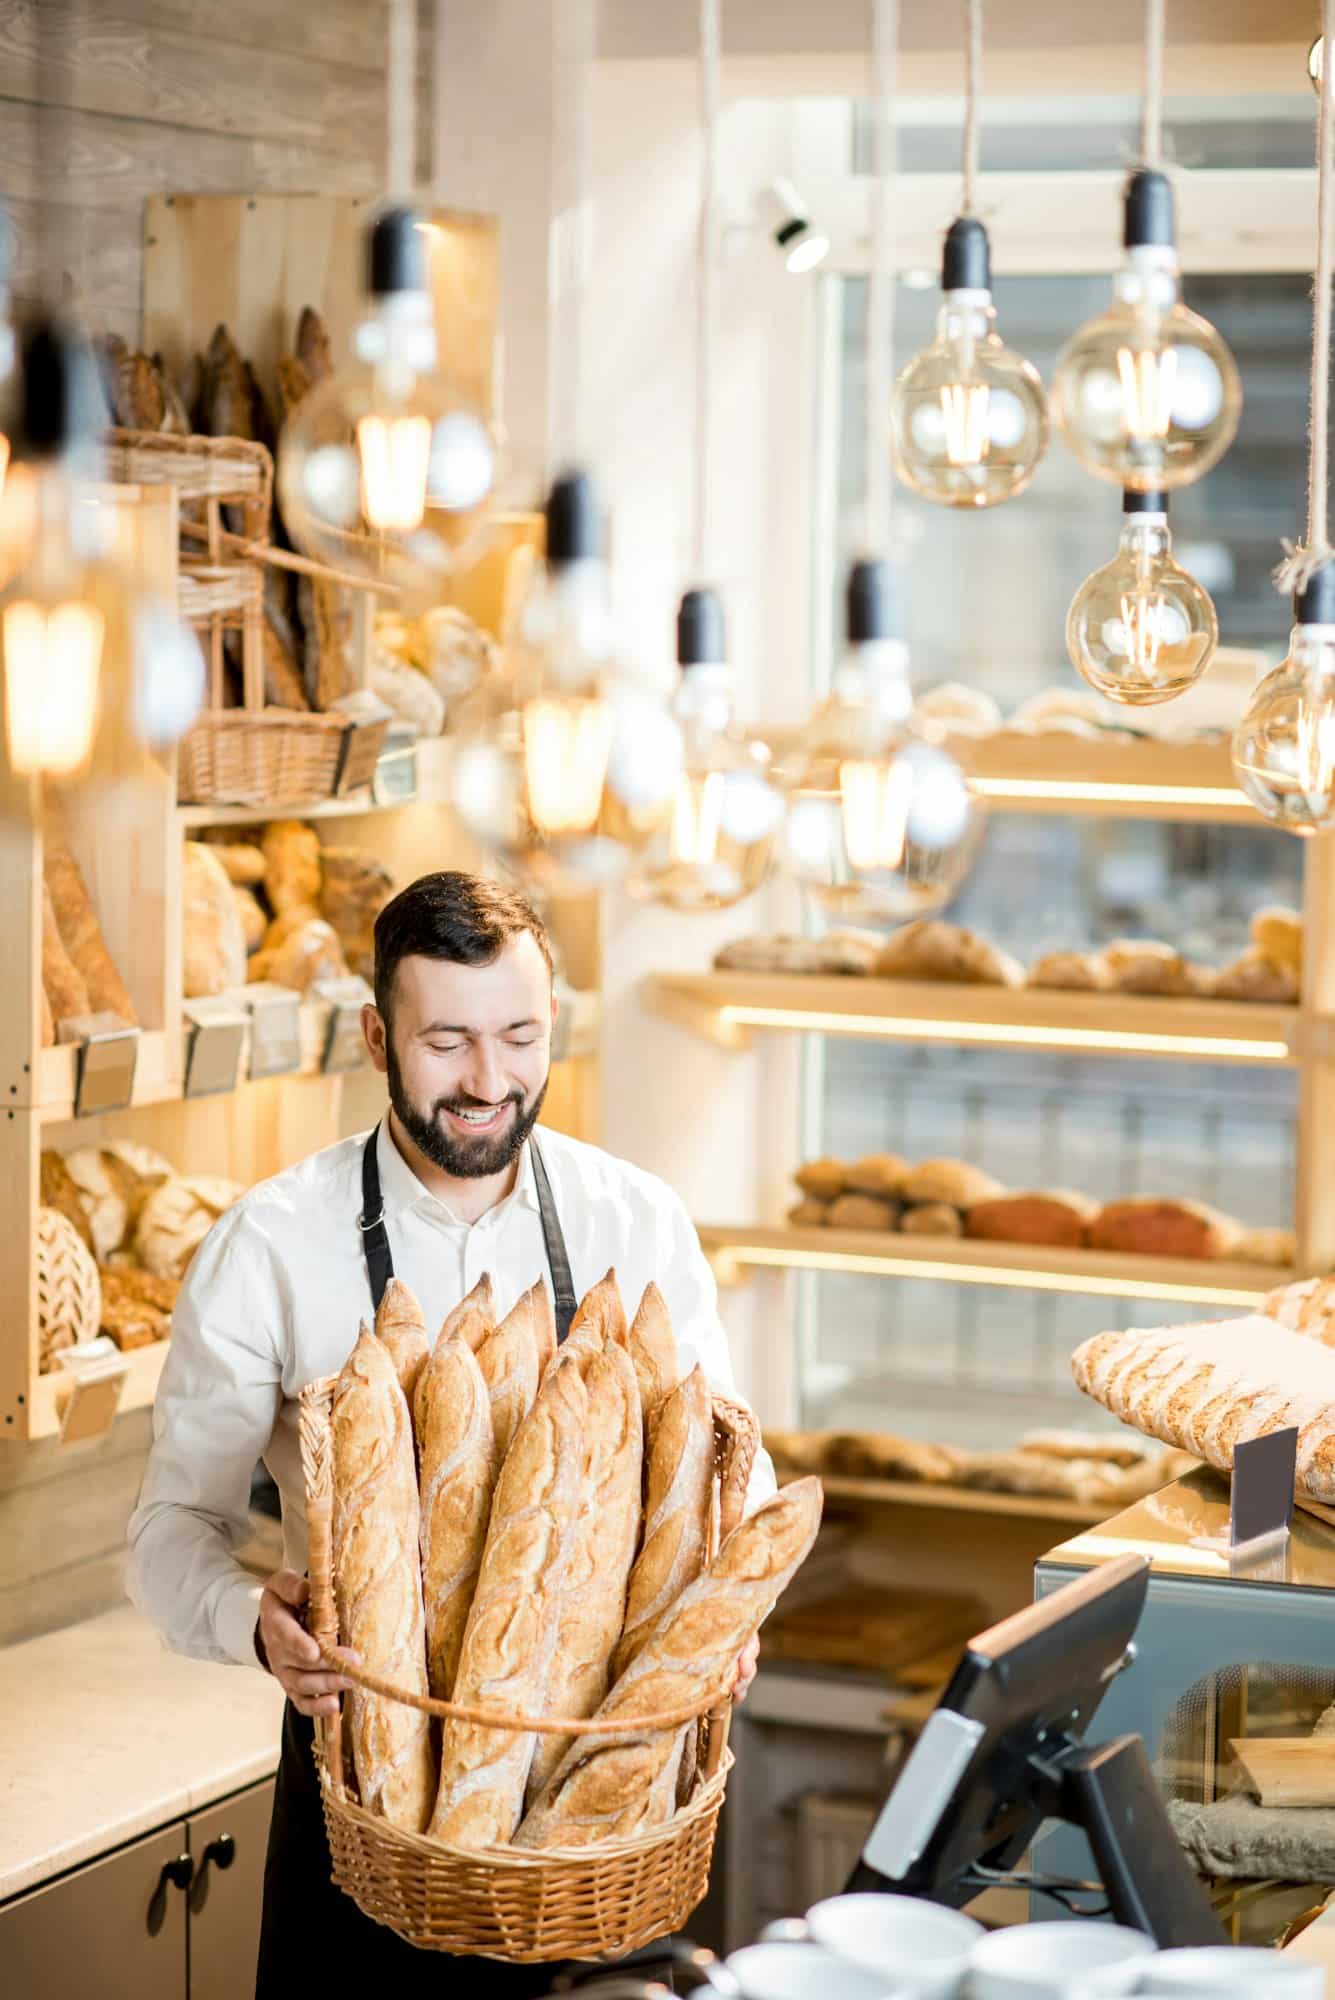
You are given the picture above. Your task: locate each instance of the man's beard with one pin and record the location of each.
(462, 1159)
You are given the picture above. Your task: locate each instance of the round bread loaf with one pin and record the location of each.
(877, 1173)
(1071, 972)
(1257, 976)
(1050, 1217)
(951, 1181)
(825, 1178)
(1278, 932)
(930, 949)
(931, 1218)
(862, 1211)
(176, 1219)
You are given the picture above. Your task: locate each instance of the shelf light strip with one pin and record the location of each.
(1098, 792)
(906, 1028)
(1018, 1276)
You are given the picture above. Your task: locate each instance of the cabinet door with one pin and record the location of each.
(115, 1928)
(228, 1843)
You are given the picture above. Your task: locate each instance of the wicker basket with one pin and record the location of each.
(523, 1905)
(215, 471)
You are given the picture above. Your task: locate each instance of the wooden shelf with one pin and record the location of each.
(141, 1386)
(1145, 778)
(957, 1499)
(433, 763)
(728, 1007)
(956, 1261)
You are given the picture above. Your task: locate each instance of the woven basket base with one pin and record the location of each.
(527, 1908)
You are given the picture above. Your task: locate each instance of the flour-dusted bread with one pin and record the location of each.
(678, 1485)
(378, 1582)
(291, 864)
(399, 1324)
(1149, 1227)
(459, 1468)
(1052, 1217)
(213, 943)
(510, 1359)
(593, 1596)
(60, 1190)
(1142, 965)
(1256, 976)
(931, 949)
(544, 1326)
(475, 1314)
(609, 1787)
(108, 1191)
(64, 985)
(511, 1632)
(1207, 1389)
(879, 1455)
(310, 952)
(601, 1312)
(862, 1211)
(951, 1181)
(177, 1217)
(653, 1350)
(1083, 1446)
(82, 936)
(1071, 972)
(1307, 1308)
(847, 952)
(1278, 932)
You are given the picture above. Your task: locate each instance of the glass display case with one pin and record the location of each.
(1231, 1651)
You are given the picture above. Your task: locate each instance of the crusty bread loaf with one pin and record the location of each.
(1049, 1216)
(213, 944)
(1307, 1308)
(1266, 1246)
(1278, 932)
(1152, 1228)
(64, 985)
(1206, 1389)
(60, 1190)
(511, 1632)
(809, 1213)
(847, 952)
(653, 1349)
(242, 861)
(1256, 976)
(291, 864)
(460, 1463)
(678, 1485)
(823, 1179)
(931, 1218)
(880, 1174)
(310, 952)
(602, 1312)
(608, 1787)
(931, 949)
(1083, 1445)
(509, 1358)
(593, 1596)
(378, 1582)
(544, 1326)
(247, 906)
(177, 1217)
(475, 1312)
(1071, 972)
(959, 710)
(399, 1324)
(862, 1211)
(879, 1455)
(952, 1181)
(82, 936)
(1142, 965)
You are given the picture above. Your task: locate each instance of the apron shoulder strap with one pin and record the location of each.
(558, 1263)
(371, 1222)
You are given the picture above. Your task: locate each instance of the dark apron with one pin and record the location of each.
(312, 1936)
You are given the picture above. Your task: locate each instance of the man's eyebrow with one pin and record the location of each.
(456, 1028)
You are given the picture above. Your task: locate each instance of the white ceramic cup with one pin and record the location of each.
(923, 1948)
(1232, 1972)
(1045, 1961)
(804, 1972)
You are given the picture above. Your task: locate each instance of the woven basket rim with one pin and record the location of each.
(316, 721)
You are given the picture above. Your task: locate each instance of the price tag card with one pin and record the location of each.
(344, 1044)
(88, 1407)
(1263, 1476)
(395, 779)
(108, 1054)
(215, 1035)
(275, 1028)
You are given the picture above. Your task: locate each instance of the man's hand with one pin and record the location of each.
(746, 1671)
(293, 1656)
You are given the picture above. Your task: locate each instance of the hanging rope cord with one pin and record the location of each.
(572, 149)
(973, 86)
(706, 282)
(881, 277)
(401, 105)
(1303, 560)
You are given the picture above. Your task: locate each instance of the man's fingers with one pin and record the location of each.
(326, 1705)
(287, 1585)
(283, 1636)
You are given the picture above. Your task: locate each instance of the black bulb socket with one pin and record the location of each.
(60, 402)
(872, 603)
(702, 632)
(1147, 212)
(395, 253)
(1144, 503)
(966, 259)
(574, 521)
(1314, 604)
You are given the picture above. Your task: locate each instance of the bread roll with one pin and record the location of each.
(378, 1582)
(62, 982)
(1258, 977)
(510, 1361)
(1072, 972)
(243, 862)
(251, 915)
(144, 1287)
(176, 1219)
(60, 1190)
(131, 1323)
(809, 1213)
(931, 1218)
(769, 954)
(291, 864)
(880, 1174)
(213, 944)
(862, 1211)
(610, 1787)
(400, 1326)
(823, 1179)
(1140, 965)
(593, 1596)
(82, 937)
(511, 1632)
(653, 1349)
(310, 952)
(601, 1311)
(1051, 1217)
(279, 929)
(952, 1181)
(678, 1487)
(1151, 1228)
(1278, 932)
(355, 888)
(930, 949)
(460, 1463)
(1206, 1389)
(846, 953)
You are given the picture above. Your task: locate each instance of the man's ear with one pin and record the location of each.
(373, 1028)
(556, 1007)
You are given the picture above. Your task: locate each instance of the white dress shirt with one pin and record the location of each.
(273, 1300)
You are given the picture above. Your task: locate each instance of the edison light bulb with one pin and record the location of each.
(1284, 747)
(968, 415)
(1141, 629)
(386, 469)
(565, 761)
(880, 823)
(718, 843)
(1147, 395)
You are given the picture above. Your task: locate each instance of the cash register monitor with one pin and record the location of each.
(1004, 1751)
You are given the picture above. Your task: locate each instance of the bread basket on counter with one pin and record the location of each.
(523, 1905)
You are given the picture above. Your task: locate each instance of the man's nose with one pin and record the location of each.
(485, 1079)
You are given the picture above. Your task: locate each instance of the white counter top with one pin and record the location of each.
(105, 1735)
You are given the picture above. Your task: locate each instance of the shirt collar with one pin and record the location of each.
(401, 1190)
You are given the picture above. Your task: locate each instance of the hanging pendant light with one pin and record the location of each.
(1141, 629)
(968, 414)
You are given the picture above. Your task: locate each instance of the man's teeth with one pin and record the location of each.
(480, 1117)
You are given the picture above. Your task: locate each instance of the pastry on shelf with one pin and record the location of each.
(1143, 965)
(242, 861)
(877, 1173)
(251, 912)
(1072, 972)
(213, 944)
(809, 1213)
(825, 1179)
(847, 951)
(81, 935)
(1053, 1217)
(1067, 711)
(1307, 1308)
(113, 1183)
(1149, 1227)
(1123, 1452)
(1266, 1246)
(310, 950)
(931, 1218)
(177, 1217)
(954, 1182)
(291, 865)
(1257, 976)
(779, 953)
(1278, 932)
(931, 949)
(354, 888)
(958, 710)
(862, 1211)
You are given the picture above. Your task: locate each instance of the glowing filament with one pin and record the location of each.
(964, 412)
(697, 816)
(1147, 391)
(394, 454)
(51, 679)
(1142, 626)
(876, 800)
(1316, 749)
(566, 747)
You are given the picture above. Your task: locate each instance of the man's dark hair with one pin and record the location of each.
(464, 919)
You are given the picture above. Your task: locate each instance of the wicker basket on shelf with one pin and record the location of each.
(523, 1905)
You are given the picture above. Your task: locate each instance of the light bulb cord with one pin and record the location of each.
(401, 101)
(1151, 117)
(572, 150)
(706, 281)
(881, 278)
(973, 87)
(1303, 560)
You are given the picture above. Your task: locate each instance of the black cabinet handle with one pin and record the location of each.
(177, 1874)
(222, 1853)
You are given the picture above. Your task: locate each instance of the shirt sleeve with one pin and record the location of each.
(214, 1416)
(692, 1300)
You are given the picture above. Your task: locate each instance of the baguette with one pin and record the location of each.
(82, 936)
(544, 1327)
(66, 991)
(608, 1787)
(378, 1583)
(399, 1324)
(653, 1349)
(460, 1462)
(511, 1632)
(474, 1314)
(509, 1360)
(676, 1511)
(593, 1598)
(601, 1312)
